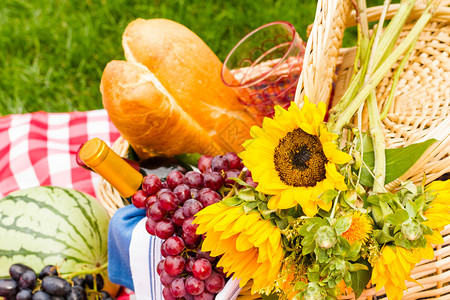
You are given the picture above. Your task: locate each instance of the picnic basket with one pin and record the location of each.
(420, 111)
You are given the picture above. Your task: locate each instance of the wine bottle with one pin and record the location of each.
(100, 158)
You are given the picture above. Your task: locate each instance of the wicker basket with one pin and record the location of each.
(420, 109)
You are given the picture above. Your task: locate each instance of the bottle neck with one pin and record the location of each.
(96, 155)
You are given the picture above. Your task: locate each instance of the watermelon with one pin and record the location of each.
(52, 225)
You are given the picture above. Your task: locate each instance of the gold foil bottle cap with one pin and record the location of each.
(97, 155)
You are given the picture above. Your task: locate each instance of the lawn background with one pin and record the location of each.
(53, 52)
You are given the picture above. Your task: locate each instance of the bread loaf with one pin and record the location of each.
(168, 98)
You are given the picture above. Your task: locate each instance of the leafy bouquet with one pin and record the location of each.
(320, 220)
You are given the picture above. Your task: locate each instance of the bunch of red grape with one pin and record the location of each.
(171, 205)
(25, 284)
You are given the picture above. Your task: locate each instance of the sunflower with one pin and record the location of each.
(360, 228)
(438, 214)
(293, 157)
(396, 263)
(250, 247)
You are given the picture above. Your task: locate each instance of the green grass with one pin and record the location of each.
(53, 52)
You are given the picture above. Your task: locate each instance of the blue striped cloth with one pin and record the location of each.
(133, 257)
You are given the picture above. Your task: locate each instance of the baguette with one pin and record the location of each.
(174, 85)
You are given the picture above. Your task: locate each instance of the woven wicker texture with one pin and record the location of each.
(421, 106)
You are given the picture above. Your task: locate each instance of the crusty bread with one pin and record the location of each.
(169, 98)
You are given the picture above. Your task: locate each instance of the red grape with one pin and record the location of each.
(191, 241)
(231, 174)
(194, 179)
(175, 178)
(174, 265)
(201, 269)
(206, 255)
(249, 181)
(191, 207)
(189, 264)
(177, 287)
(163, 250)
(178, 217)
(208, 197)
(151, 184)
(204, 296)
(156, 213)
(190, 228)
(138, 199)
(194, 193)
(150, 225)
(174, 245)
(204, 163)
(166, 279)
(214, 283)
(182, 192)
(167, 294)
(160, 267)
(213, 180)
(194, 286)
(164, 229)
(150, 201)
(168, 201)
(220, 163)
(234, 161)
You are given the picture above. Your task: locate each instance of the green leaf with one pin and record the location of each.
(249, 206)
(232, 201)
(282, 223)
(342, 224)
(188, 159)
(248, 195)
(366, 143)
(328, 196)
(308, 249)
(360, 278)
(398, 161)
(398, 218)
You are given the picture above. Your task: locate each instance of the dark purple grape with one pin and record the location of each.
(48, 270)
(76, 293)
(174, 265)
(194, 286)
(174, 245)
(138, 199)
(41, 295)
(177, 287)
(167, 294)
(24, 295)
(27, 280)
(191, 241)
(175, 178)
(55, 286)
(8, 288)
(182, 192)
(167, 201)
(166, 279)
(178, 217)
(194, 179)
(214, 283)
(204, 163)
(220, 163)
(164, 229)
(234, 160)
(16, 270)
(208, 197)
(191, 207)
(151, 184)
(189, 228)
(213, 181)
(100, 283)
(80, 281)
(201, 269)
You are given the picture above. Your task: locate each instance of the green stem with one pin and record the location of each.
(380, 72)
(333, 210)
(85, 272)
(379, 169)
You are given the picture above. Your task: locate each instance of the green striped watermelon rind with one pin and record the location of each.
(52, 225)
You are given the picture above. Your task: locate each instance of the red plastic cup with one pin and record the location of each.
(264, 67)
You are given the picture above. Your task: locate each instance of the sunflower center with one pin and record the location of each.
(299, 159)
